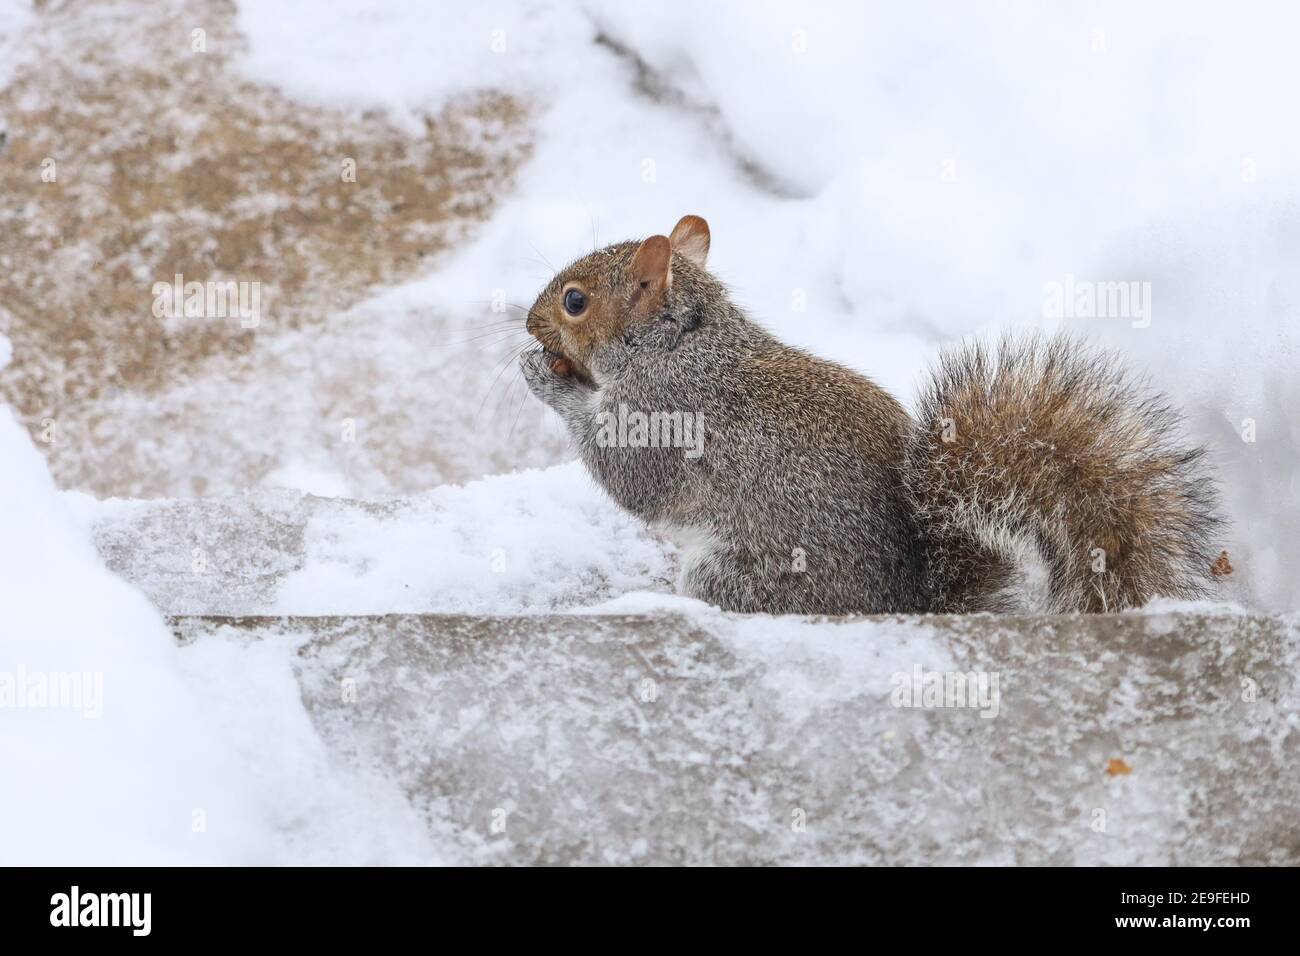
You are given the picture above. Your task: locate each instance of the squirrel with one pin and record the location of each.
(1037, 476)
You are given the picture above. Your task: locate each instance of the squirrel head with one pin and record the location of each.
(600, 297)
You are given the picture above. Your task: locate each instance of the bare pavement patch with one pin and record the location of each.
(134, 153)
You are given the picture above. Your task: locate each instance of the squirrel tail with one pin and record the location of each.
(1046, 479)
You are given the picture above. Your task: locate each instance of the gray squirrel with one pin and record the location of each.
(1036, 476)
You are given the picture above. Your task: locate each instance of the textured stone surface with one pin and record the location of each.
(223, 554)
(1165, 738)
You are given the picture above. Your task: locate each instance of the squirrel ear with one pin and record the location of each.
(690, 238)
(650, 266)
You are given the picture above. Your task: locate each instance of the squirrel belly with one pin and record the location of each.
(1045, 479)
(797, 504)
(1036, 476)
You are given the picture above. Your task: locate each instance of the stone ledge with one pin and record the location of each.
(1165, 738)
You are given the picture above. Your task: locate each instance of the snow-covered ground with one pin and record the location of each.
(879, 178)
(121, 748)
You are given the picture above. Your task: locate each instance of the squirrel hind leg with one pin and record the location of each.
(966, 576)
(975, 565)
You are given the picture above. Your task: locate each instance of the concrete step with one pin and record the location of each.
(703, 738)
(529, 542)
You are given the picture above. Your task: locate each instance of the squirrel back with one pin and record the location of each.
(1036, 476)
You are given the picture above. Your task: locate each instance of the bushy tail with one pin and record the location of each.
(1046, 479)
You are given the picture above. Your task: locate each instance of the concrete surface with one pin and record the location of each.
(1166, 738)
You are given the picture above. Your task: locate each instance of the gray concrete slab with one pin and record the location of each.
(1167, 738)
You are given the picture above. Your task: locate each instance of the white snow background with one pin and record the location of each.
(879, 180)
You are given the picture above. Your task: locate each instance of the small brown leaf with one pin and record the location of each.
(1117, 768)
(1221, 567)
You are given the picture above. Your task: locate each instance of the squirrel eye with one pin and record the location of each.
(574, 301)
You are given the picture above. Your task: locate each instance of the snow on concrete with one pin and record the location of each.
(121, 748)
(109, 766)
(688, 736)
(522, 543)
(14, 18)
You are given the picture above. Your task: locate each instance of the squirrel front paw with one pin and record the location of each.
(549, 377)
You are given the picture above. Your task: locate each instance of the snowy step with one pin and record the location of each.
(529, 541)
(698, 737)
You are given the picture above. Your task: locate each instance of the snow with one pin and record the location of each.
(117, 785)
(154, 755)
(529, 542)
(512, 543)
(14, 17)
